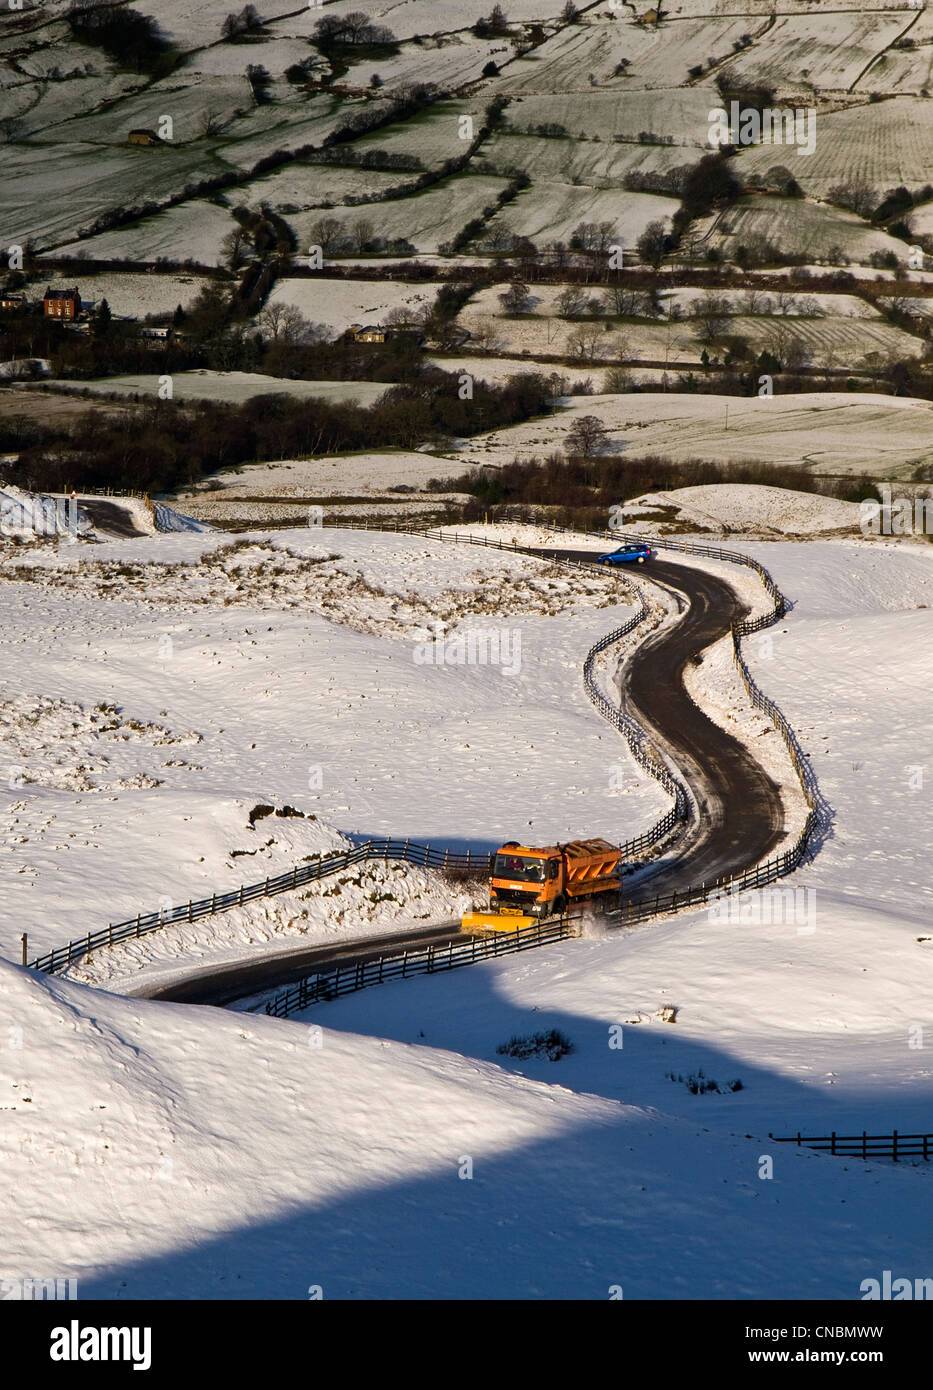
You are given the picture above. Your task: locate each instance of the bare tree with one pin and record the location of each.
(623, 301)
(594, 236)
(710, 315)
(12, 127)
(785, 302)
(515, 299)
(234, 247)
(499, 236)
(325, 232)
(789, 349)
(623, 346)
(586, 436)
(486, 335)
(858, 195)
(498, 24)
(404, 316)
(586, 342)
(282, 323)
(652, 244)
(362, 231)
(571, 301)
(212, 120)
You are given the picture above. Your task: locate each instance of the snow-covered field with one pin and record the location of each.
(264, 672)
(831, 432)
(828, 52)
(319, 477)
(744, 508)
(605, 1164)
(192, 231)
(553, 210)
(832, 329)
(204, 384)
(427, 220)
(882, 143)
(818, 231)
(338, 303)
(136, 295)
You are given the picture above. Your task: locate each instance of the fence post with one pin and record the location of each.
(832, 1143)
(895, 1146)
(25, 948)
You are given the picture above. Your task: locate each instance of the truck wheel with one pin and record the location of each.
(559, 908)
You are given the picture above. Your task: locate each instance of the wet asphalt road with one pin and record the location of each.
(740, 814)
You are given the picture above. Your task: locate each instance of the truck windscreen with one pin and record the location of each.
(519, 867)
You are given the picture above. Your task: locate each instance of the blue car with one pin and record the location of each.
(627, 555)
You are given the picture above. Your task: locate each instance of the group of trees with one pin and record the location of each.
(159, 446)
(495, 27)
(580, 485)
(243, 25)
(405, 101)
(260, 80)
(893, 207)
(134, 41)
(352, 31)
(356, 238)
(262, 234)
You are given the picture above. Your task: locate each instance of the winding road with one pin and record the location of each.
(739, 820)
(223, 984)
(740, 813)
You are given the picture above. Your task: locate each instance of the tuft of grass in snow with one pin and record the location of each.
(699, 1085)
(553, 1045)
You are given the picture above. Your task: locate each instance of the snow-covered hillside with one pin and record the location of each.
(334, 1151)
(176, 681)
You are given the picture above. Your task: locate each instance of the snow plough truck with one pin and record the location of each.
(528, 883)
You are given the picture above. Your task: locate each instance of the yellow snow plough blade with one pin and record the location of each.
(496, 921)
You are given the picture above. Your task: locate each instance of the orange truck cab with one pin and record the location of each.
(528, 883)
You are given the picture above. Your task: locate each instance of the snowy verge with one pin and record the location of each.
(355, 902)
